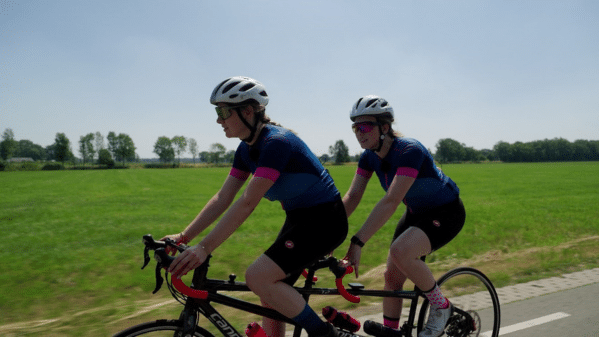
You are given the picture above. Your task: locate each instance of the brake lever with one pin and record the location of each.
(159, 278)
(146, 257)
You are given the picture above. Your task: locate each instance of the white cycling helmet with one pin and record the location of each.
(239, 89)
(371, 105)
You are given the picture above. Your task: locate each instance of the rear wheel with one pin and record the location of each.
(476, 301)
(160, 328)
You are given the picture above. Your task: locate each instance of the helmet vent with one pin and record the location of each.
(220, 85)
(384, 104)
(230, 85)
(357, 103)
(263, 93)
(233, 96)
(370, 102)
(247, 87)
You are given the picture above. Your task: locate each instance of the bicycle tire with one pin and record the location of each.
(158, 328)
(471, 291)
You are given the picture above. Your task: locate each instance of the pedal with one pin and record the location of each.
(341, 319)
(379, 330)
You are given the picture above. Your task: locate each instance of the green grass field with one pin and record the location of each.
(72, 253)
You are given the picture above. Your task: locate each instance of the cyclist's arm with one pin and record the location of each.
(215, 207)
(355, 193)
(237, 214)
(386, 207)
(233, 218)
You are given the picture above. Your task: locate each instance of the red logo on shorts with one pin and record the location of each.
(436, 223)
(289, 244)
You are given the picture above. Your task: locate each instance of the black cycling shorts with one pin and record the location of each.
(441, 224)
(308, 234)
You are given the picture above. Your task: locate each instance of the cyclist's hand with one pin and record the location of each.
(353, 257)
(189, 259)
(178, 239)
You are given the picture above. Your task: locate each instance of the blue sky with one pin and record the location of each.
(475, 71)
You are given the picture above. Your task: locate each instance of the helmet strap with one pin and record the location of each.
(250, 127)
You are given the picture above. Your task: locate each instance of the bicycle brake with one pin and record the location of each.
(146, 257)
(159, 278)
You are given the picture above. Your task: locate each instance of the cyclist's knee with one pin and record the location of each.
(253, 277)
(394, 278)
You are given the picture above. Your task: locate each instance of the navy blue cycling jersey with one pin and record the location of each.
(300, 180)
(408, 157)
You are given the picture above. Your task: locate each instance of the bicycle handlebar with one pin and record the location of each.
(340, 287)
(165, 260)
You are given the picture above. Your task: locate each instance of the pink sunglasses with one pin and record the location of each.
(364, 127)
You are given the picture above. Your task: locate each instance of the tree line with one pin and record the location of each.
(547, 150)
(121, 148)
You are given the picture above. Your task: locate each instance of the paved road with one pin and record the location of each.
(572, 312)
(557, 306)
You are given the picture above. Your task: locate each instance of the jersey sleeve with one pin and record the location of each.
(273, 158)
(364, 166)
(410, 161)
(239, 169)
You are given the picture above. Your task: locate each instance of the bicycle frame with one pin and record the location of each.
(212, 286)
(203, 291)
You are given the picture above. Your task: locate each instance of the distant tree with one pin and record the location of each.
(324, 158)
(104, 158)
(98, 143)
(86, 148)
(8, 145)
(27, 149)
(125, 148)
(179, 145)
(488, 154)
(473, 155)
(449, 150)
(204, 157)
(502, 150)
(229, 156)
(164, 149)
(193, 148)
(62, 148)
(339, 152)
(216, 151)
(112, 140)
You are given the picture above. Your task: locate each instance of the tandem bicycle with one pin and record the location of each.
(469, 317)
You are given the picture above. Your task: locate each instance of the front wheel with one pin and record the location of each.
(160, 328)
(474, 295)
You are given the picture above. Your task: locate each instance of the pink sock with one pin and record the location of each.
(391, 322)
(436, 298)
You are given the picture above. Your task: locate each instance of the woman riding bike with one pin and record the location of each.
(283, 169)
(434, 212)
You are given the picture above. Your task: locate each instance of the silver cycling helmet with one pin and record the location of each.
(239, 89)
(371, 105)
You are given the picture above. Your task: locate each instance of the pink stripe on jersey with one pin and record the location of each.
(364, 173)
(407, 171)
(237, 173)
(267, 172)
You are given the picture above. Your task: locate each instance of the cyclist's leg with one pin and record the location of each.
(273, 328)
(406, 252)
(264, 277)
(392, 307)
